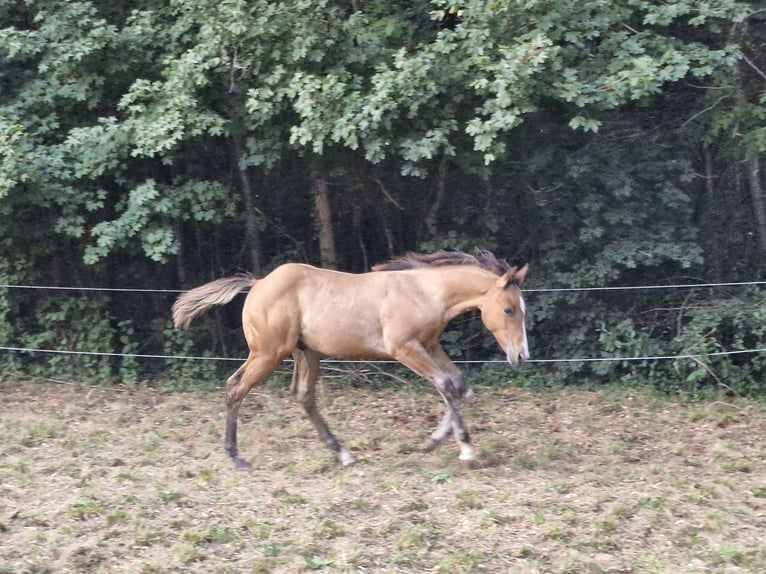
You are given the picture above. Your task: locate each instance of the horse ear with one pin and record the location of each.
(521, 274)
(515, 275)
(505, 279)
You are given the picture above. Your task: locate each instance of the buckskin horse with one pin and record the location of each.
(397, 311)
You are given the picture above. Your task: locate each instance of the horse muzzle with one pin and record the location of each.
(516, 359)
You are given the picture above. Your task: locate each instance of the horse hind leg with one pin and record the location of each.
(232, 411)
(303, 389)
(255, 369)
(441, 433)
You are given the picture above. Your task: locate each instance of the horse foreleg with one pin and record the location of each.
(452, 421)
(303, 388)
(446, 377)
(441, 432)
(467, 452)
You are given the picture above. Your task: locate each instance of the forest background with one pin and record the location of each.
(161, 144)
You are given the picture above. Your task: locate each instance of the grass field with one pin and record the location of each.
(95, 479)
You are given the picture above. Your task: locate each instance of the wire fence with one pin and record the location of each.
(544, 290)
(531, 290)
(363, 362)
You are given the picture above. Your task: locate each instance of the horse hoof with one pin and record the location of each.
(471, 464)
(429, 446)
(241, 463)
(345, 458)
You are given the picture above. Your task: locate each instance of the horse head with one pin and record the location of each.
(504, 314)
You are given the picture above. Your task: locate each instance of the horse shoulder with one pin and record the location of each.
(410, 309)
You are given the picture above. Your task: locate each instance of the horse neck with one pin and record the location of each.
(464, 289)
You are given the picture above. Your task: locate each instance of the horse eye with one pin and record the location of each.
(508, 311)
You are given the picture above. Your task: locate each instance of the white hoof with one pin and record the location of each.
(345, 457)
(467, 454)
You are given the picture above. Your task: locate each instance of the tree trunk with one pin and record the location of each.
(388, 233)
(710, 216)
(360, 236)
(251, 211)
(753, 163)
(181, 255)
(752, 166)
(327, 256)
(432, 217)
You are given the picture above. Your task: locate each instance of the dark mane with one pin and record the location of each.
(484, 259)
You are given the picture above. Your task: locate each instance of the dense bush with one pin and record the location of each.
(160, 145)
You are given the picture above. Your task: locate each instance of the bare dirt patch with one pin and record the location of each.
(100, 480)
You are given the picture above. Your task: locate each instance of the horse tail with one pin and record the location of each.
(194, 303)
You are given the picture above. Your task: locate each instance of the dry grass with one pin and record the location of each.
(96, 480)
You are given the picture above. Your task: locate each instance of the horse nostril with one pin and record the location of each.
(521, 359)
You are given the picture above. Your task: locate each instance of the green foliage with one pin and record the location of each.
(150, 212)
(162, 144)
(626, 340)
(135, 88)
(608, 220)
(8, 328)
(183, 373)
(75, 324)
(734, 323)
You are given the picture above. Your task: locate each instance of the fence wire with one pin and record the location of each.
(690, 356)
(362, 362)
(531, 290)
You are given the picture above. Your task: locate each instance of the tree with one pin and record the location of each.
(230, 135)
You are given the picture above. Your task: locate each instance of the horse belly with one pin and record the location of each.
(366, 352)
(344, 334)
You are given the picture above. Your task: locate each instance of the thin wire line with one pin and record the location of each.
(638, 287)
(107, 354)
(538, 290)
(648, 357)
(538, 361)
(108, 289)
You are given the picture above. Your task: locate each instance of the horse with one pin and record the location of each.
(396, 311)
